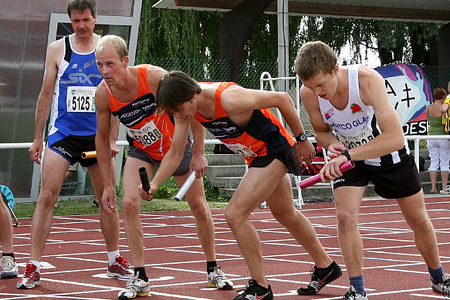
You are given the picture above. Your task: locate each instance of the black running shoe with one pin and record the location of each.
(320, 278)
(253, 291)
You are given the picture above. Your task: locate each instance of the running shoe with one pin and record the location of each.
(120, 269)
(320, 278)
(442, 288)
(253, 291)
(446, 190)
(218, 280)
(353, 295)
(135, 287)
(31, 278)
(9, 267)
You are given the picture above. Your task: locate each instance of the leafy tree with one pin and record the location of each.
(189, 40)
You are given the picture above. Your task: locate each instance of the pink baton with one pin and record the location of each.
(316, 178)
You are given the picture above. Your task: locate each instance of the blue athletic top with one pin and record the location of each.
(73, 108)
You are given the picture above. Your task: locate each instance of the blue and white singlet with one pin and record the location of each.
(73, 108)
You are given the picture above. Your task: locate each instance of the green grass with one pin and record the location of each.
(163, 202)
(85, 207)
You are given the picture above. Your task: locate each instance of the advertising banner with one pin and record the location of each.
(409, 91)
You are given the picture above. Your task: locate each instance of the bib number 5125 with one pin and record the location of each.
(81, 99)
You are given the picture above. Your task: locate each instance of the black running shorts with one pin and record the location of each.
(391, 182)
(72, 146)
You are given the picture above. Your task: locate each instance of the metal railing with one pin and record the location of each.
(415, 138)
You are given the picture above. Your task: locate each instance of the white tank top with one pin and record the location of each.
(356, 124)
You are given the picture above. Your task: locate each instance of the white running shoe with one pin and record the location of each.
(353, 295)
(9, 267)
(218, 280)
(135, 287)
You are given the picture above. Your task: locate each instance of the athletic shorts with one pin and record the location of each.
(391, 182)
(70, 147)
(183, 168)
(288, 157)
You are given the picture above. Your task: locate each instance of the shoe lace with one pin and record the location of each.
(218, 275)
(29, 271)
(446, 287)
(245, 291)
(7, 263)
(351, 294)
(122, 262)
(131, 281)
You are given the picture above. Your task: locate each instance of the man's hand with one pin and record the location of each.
(36, 151)
(335, 149)
(199, 164)
(331, 169)
(305, 152)
(148, 196)
(108, 201)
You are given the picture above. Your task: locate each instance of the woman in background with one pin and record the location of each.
(438, 149)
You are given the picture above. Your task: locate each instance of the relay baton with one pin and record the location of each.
(185, 187)
(316, 178)
(93, 154)
(144, 179)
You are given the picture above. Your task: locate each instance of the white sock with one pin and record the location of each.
(112, 256)
(37, 264)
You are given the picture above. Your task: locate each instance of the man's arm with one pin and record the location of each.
(322, 132)
(199, 163)
(54, 52)
(240, 104)
(103, 145)
(173, 157)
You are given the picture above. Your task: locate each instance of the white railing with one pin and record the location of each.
(415, 138)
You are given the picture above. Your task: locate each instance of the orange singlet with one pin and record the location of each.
(146, 130)
(264, 135)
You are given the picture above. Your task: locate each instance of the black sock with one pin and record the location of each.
(9, 254)
(210, 266)
(141, 271)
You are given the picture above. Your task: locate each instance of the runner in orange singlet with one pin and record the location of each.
(127, 94)
(241, 119)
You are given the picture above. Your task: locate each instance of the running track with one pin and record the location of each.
(76, 261)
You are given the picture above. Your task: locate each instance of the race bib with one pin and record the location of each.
(241, 149)
(146, 135)
(81, 99)
(352, 141)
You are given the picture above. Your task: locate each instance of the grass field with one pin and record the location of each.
(86, 207)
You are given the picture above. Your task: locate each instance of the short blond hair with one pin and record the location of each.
(314, 57)
(116, 41)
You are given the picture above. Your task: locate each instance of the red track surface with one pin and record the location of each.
(175, 262)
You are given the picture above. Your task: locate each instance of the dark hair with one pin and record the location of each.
(439, 93)
(82, 5)
(175, 88)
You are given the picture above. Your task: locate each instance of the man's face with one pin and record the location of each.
(322, 85)
(187, 110)
(83, 22)
(110, 65)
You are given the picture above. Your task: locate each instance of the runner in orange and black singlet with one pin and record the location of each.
(260, 141)
(149, 134)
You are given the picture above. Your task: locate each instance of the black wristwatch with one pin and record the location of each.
(346, 154)
(301, 137)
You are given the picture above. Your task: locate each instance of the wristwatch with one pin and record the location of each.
(301, 137)
(346, 154)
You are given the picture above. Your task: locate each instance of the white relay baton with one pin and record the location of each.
(185, 187)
